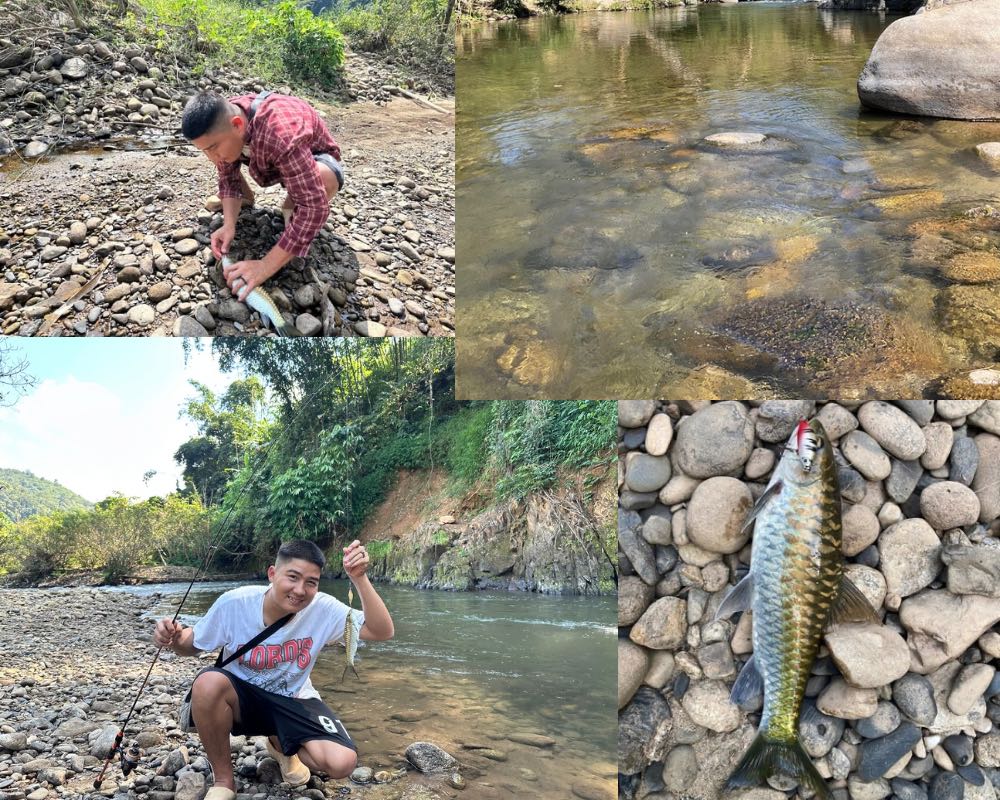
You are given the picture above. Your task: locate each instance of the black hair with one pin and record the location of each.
(301, 548)
(202, 113)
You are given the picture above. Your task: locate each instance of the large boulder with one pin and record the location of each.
(918, 67)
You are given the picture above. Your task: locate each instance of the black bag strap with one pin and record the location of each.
(219, 663)
(257, 101)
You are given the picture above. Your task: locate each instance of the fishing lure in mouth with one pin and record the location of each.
(809, 443)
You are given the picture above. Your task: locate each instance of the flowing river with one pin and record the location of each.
(475, 668)
(609, 250)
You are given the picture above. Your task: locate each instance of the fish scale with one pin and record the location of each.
(796, 581)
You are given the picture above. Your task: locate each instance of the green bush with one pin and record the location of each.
(312, 48)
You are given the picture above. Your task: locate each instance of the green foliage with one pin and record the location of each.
(466, 436)
(411, 30)
(22, 495)
(116, 536)
(312, 48)
(379, 549)
(441, 537)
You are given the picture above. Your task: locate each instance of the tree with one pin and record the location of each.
(14, 377)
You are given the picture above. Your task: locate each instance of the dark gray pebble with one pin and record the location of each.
(971, 773)
(818, 732)
(914, 696)
(637, 725)
(876, 756)
(994, 688)
(884, 721)
(634, 438)
(908, 790)
(964, 460)
(666, 558)
(852, 485)
(959, 748)
(903, 479)
(869, 557)
(681, 683)
(947, 786)
(918, 767)
(920, 410)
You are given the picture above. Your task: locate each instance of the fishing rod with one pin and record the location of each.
(130, 758)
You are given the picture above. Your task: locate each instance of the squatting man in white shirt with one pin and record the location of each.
(267, 691)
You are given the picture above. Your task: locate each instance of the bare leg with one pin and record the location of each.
(329, 183)
(215, 707)
(322, 755)
(248, 195)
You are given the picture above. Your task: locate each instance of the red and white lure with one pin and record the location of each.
(807, 445)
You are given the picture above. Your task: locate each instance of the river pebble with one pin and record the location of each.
(886, 696)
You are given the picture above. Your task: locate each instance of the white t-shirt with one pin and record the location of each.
(281, 663)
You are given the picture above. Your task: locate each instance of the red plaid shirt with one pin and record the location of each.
(283, 135)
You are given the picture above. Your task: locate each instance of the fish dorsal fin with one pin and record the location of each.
(737, 599)
(762, 501)
(748, 687)
(851, 605)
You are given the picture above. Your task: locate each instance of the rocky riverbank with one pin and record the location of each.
(80, 655)
(907, 708)
(105, 214)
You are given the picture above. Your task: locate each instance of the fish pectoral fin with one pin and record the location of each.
(851, 605)
(767, 757)
(762, 501)
(748, 687)
(737, 599)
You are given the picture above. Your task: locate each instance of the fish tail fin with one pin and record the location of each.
(287, 329)
(766, 757)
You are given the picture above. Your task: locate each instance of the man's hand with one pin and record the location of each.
(356, 560)
(166, 632)
(221, 240)
(252, 273)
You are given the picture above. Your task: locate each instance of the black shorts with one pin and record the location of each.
(293, 720)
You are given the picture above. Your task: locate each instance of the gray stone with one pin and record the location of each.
(989, 152)
(964, 461)
(940, 437)
(837, 420)
(707, 703)
(634, 597)
(903, 479)
(860, 529)
(186, 247)
(190, 786)
(986, 484)
(646, 473)
(633, 661)
(659, 434)
(865, 455)
(868, 655)
(308, 325)
(914, 696)
(716, 513)
(635, 413)
(875, 757)
(370, 329)
(840, 699)
(922, 411)
(884, 721)
(896, 432)
(947, 786)
(736, 138)
(972, 569)
(663, 626)
(949, 504)
(160, 291)
(987, 416)
(638, 551)
(715, 440)
(776, 419)
(14, 742)
(909, 556)
(428, 757)
(956, 409)
(969, 686)
(817, 731)
(680, 768)
(189, 326)
(913, 69)
(657, 527)
(643, 729)
(941, 626)
(35, 149)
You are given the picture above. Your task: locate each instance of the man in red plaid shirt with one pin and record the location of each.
(282, 140)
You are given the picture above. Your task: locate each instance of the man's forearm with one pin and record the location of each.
(276, 258)
(184, 645)
(377, 618)
(231, 211)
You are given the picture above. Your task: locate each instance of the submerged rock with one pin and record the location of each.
(915, 67)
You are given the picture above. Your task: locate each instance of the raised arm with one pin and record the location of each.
(378, 624)
(175, 636)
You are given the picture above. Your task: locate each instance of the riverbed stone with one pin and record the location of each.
(776, 419)
(941, 626)
(972, 569)
(909, 556)
(634, 597)
(884, 721)
(736, 138)
(840, 699)
(956, 409)
(865, 455)
(635, 413)
(659, 434)
(428, 757)
(913, 694)
(895, 431)
(876, 757)
(643, 729)
(680, 768)
(716, 513)
(633, 661)
(949, 504)
(646, 473)
(987, 416)
(914, 69)
(663, 626)
(946, 786)
(903, 479)
(869, 655)
(986, 484)
(939, 437)
(817, 731)
(716, 440)
(989, 152)
(707, 703)
(964, 460)
(969, 686)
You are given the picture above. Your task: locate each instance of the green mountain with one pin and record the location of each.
(23, 494)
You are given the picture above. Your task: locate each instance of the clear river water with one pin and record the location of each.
(609, 250)
(473, 668)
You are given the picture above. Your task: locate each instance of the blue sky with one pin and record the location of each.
(103, 411)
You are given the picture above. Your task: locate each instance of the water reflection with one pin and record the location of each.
(610, 250)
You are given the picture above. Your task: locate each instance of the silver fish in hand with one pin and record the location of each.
(261, 302)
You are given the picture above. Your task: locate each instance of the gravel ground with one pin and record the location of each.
(904, 709)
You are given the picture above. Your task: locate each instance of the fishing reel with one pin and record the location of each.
(130, 758)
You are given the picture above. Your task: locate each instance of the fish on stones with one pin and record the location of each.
(796, 587)
(261, 302)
